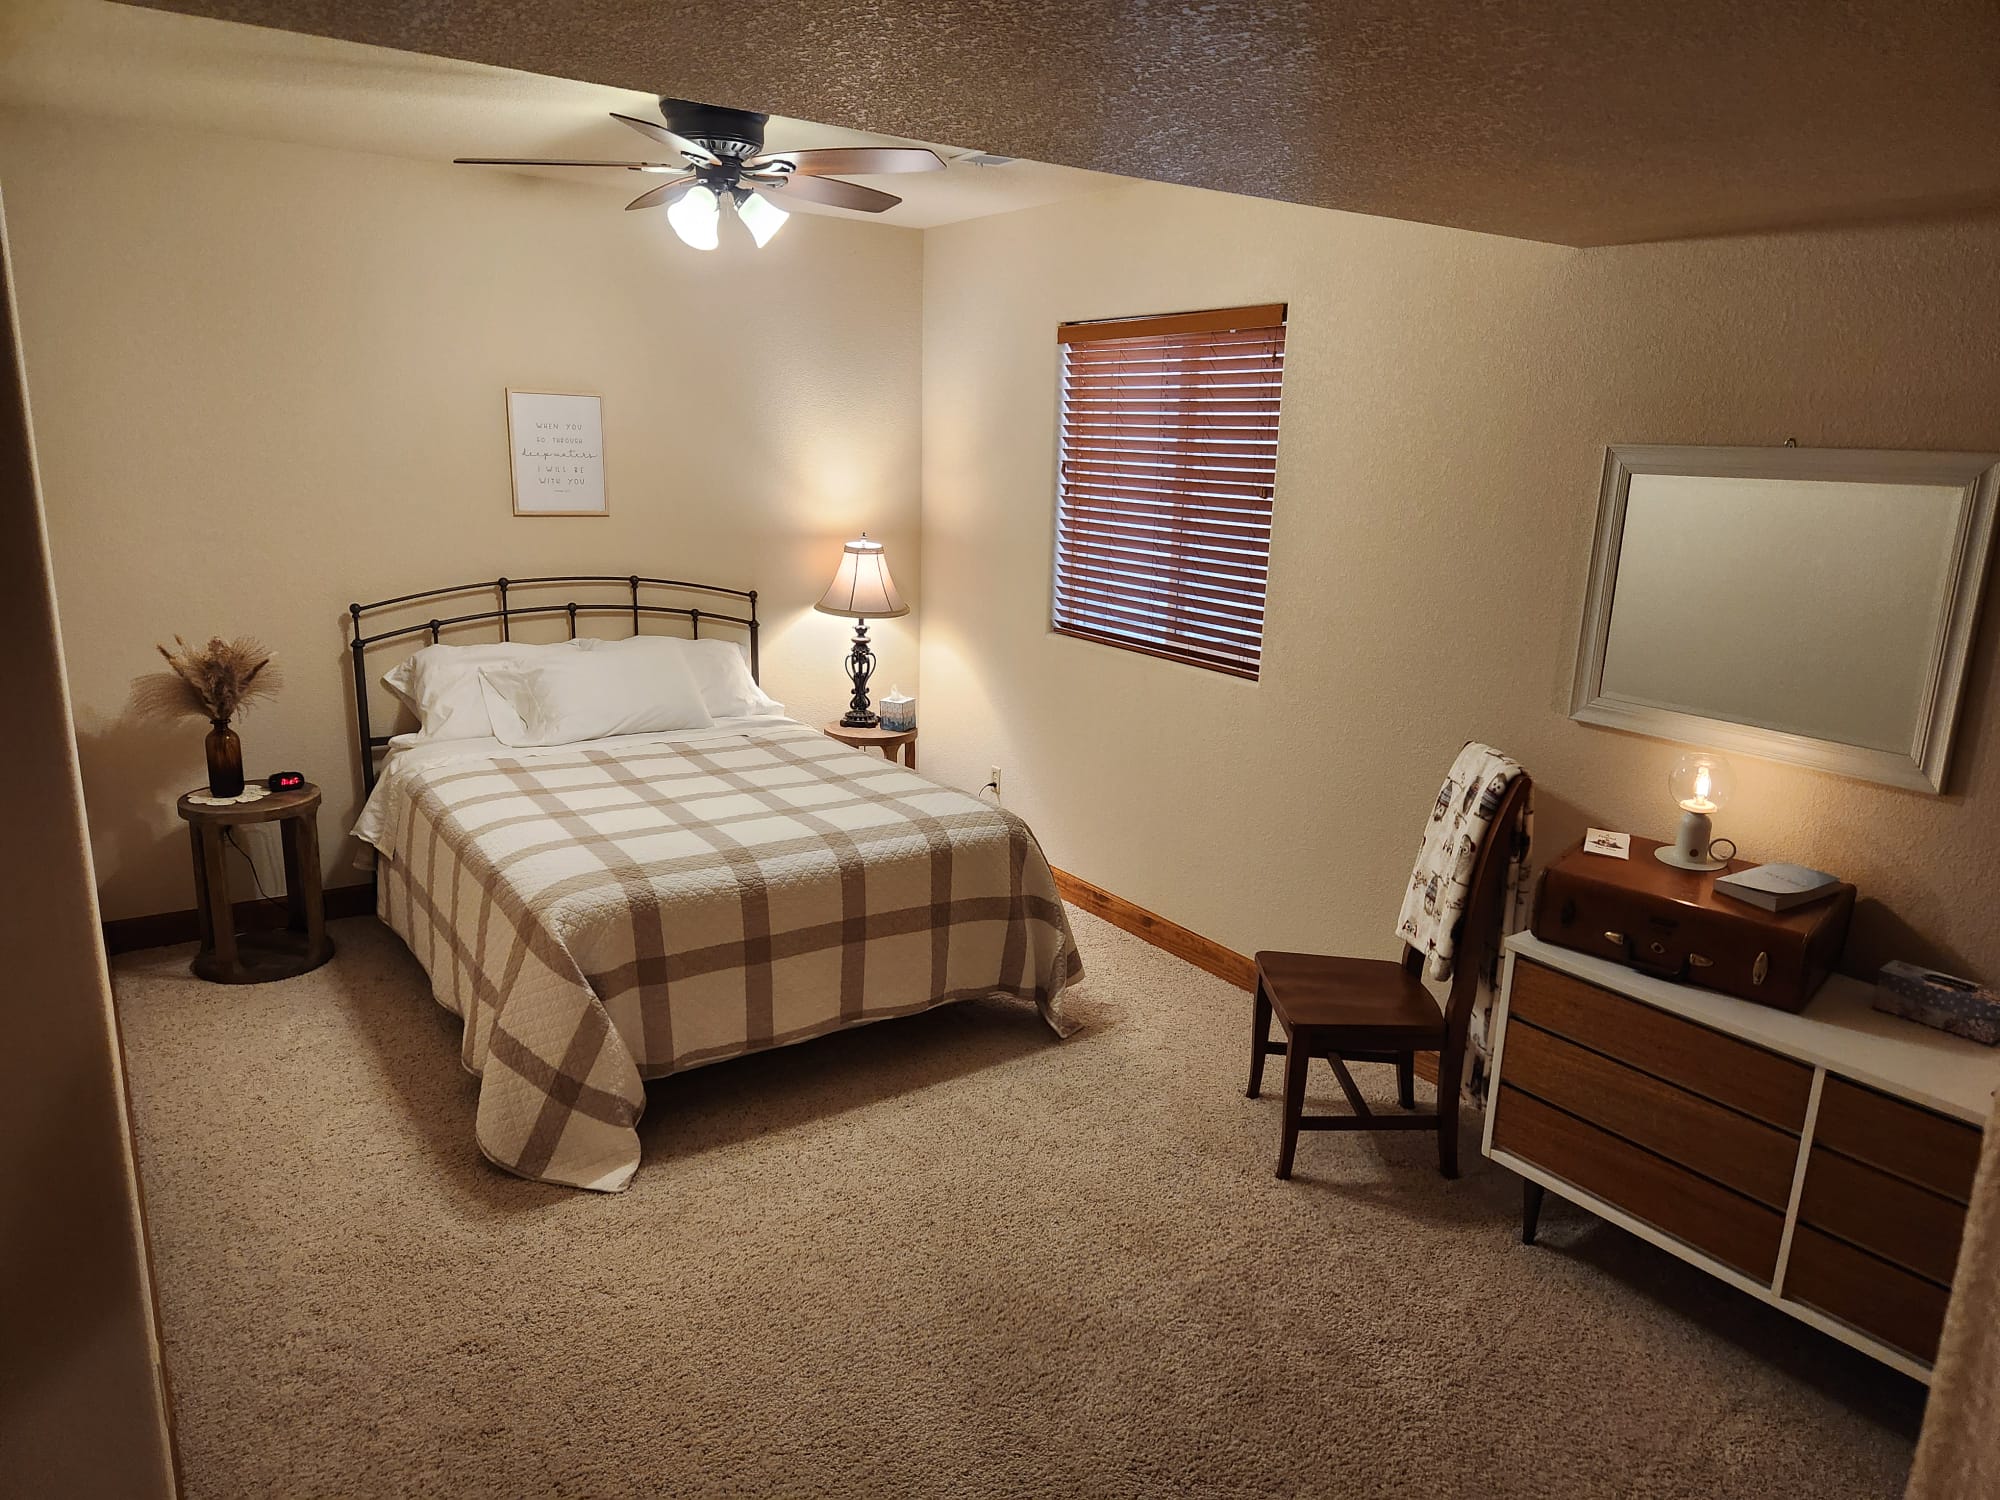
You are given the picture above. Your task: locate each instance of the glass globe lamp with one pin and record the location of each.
(1700, 783)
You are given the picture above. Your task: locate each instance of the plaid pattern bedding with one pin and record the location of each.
(600, 916)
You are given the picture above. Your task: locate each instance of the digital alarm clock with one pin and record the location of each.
(285, 781)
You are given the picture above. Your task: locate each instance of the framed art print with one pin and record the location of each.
(555, 446)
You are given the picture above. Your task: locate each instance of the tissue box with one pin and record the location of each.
(1941, 1000)
(898, 712)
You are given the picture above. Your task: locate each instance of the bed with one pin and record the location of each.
(604, 912)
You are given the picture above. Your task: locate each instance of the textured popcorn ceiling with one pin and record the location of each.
(149, 69)
(1582, 124)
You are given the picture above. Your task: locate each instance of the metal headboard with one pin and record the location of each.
(507, 613)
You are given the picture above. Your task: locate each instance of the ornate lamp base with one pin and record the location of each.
(860, 667)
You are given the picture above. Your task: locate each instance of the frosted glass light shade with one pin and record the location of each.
(862, 588)
(693, 217)
(761, 217)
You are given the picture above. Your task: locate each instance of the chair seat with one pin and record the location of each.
(1372, 1002)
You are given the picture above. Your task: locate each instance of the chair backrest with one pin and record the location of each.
(1479, 934)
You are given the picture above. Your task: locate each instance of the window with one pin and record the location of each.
(1163, 504)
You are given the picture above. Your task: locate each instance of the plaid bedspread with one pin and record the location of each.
(602, 916)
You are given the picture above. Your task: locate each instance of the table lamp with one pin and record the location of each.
(1700, 783)
(862, 590)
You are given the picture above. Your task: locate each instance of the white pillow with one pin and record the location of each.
(398, 679)
(591, 695)
(500, 713)
(440, 685)
(721, 670)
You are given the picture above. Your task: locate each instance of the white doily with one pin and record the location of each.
(248, 794)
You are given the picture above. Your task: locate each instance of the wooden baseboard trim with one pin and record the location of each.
(165, 929)
(1182, 942)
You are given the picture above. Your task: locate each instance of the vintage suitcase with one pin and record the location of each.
(1671, 923)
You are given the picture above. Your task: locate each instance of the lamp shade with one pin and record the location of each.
(761, 217)
(863, 589)
(693, 218)
(1700, 781)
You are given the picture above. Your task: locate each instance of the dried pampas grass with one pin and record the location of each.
(215, 682)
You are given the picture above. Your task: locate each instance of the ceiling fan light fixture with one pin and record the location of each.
(761, 217)
(694, 216)
(722, 154)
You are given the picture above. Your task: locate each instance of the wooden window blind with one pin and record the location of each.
(1163, 504)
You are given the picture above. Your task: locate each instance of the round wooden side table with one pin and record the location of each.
(230, 957)
(888, 741)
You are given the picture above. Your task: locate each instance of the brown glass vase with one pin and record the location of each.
(225, 760)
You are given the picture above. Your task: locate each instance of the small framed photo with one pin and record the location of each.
(555, 447)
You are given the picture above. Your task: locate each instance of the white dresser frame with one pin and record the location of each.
(1839, 1032)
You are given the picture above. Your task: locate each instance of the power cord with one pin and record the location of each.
(994, 788)
(229, 837)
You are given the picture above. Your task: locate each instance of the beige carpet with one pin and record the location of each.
(942, 1256)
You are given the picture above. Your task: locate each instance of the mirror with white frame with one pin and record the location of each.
(1812, 605)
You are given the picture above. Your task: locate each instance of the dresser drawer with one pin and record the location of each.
(1917, 1229)
(1706, 1062)
(1901, 1139)
(1756, 1159)
(1904, 1311)
(1721, 1224)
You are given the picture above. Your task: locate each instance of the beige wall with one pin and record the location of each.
(223, 333)
(1448, 400)
(268, 381)
(82, 1407)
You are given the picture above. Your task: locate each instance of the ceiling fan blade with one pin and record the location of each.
(536, 161)
(666, 137)
(866, 161)
(832, 192)
(661, 193)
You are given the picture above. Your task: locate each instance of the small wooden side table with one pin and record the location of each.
(888, 741)
(230, 957)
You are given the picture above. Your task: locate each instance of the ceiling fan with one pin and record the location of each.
(723, 161)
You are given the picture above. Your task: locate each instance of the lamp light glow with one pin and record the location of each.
(1700, 801)
(761, 217)
(694, 216)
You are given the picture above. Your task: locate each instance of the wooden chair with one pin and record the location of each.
(1377, 1010)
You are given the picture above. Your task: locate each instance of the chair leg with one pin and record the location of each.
(1295, 1103)
(1531, 1210)
(1406, 1080)
(1260, 1033)
(1447, 1111)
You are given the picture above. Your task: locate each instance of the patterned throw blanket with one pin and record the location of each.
(602, 916)
(1434, 905)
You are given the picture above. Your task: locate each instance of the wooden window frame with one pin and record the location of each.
(1201, 481)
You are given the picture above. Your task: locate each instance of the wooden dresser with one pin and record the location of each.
(1821, 1162)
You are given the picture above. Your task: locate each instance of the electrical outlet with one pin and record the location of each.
(993, 780)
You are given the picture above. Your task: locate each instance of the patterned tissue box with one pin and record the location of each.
(898, 712)
(1940, 1000)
